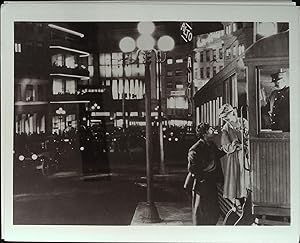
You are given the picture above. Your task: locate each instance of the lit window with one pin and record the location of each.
(70, 86)
(29, 93)
(180, 60)
(71, 121)
(234, 51)
(179, 86)
(241, 49)
(57, 60)
(58, 86)
(170, 73)
(234, 27)
(102, 59)
(70, 61)
(18, 47)
(91, 70)
(170, 61)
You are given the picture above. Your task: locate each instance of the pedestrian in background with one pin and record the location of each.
(236, 177)
(205, 171)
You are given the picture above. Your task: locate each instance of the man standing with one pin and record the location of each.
(204, 166)
(279, 102)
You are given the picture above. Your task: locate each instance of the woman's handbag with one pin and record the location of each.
(189, 182)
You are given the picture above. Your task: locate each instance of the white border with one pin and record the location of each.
(136, 11)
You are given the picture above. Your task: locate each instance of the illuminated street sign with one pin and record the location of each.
(186, 32)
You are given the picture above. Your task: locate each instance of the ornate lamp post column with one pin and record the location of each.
(145, 47)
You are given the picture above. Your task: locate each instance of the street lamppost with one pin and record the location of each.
(60, 112)
(144, 45)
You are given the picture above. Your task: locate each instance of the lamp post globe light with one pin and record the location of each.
(144, 45)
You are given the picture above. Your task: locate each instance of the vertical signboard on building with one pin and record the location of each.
(186, 31)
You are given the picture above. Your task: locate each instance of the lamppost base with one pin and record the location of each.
(150, 213)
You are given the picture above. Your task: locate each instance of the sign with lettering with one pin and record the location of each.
(189, 69)
(186, 32)
(177, 93)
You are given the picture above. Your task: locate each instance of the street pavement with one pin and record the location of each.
(113, 198)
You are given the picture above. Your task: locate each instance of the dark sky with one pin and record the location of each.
(108, 34)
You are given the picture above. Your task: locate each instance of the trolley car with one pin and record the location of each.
(247, 82)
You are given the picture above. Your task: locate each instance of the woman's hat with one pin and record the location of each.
(225, 110)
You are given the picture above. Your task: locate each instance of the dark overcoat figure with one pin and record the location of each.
(204, 164)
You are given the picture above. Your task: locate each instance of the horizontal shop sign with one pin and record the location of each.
(100, 113)
(69, 102)
(177, 93)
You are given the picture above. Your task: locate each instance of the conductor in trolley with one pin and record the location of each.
(234, 144)
(205, 169)
(278, 102)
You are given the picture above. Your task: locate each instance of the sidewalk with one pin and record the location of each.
(170, 214)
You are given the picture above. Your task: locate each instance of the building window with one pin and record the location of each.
(234, 51)
(29, 93)
(18, 47)
(179, 72)
(71, 121)
(177, 103)
(214, 70)
(201, 73)
(57, 60)
(241, 49)
(220, 68)
(170, 85)
(214, 54)
(221, 53)
(234, 27)
(180, 60)
(70, 86)
(169, 73)
(201, 56)
(169, 61)
(208, 72)
(273, 98)
(70, 61)
(207, 55)
(228, 53)
(179, 86)
(58, 87)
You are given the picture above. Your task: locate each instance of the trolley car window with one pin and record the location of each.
(273, 98)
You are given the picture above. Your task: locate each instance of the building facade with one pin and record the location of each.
(50, 66)
(31, 71)
(208, 57)
(175, 100)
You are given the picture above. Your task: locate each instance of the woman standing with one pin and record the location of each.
(236, 177)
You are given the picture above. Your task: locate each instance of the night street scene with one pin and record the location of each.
(110, 119)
